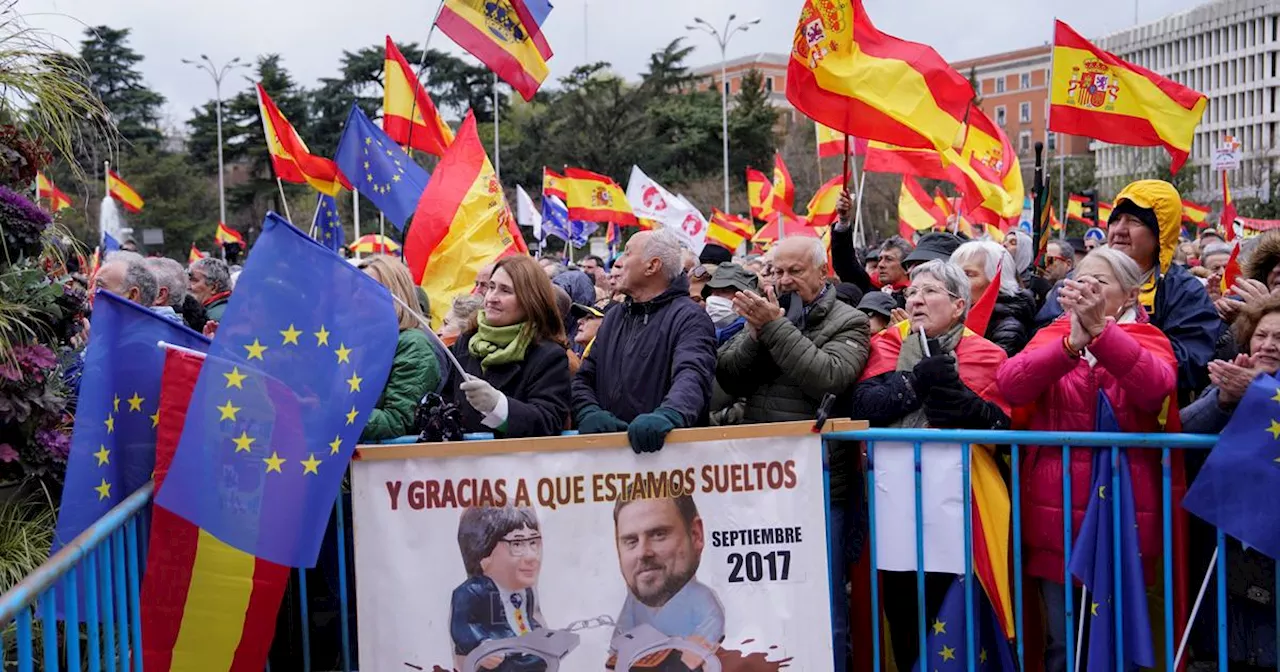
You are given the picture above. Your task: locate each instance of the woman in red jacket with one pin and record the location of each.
(1101, 343)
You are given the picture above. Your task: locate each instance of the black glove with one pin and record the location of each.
(935, 371)
(648, 432)
(595, 420)
(958, 407)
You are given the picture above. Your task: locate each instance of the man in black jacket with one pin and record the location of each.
(654, 358)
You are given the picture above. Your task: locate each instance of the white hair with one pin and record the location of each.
(664, 245)
(1122, 266)
(1026, 250)
(170, 275)
(136, 274)
(952, 278)
(990, 256)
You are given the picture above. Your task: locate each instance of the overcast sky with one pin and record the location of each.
(312, 34)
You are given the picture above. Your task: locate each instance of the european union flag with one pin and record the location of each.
(113, 444)
(1093, 560)
(109, 243)
(379, 169)
(1236, 489)
(946, 644)
(327, 225)
(556, 222)
(301, 357)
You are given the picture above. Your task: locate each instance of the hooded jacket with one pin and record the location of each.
(1265, 256)
(658, 353)
(1012, 321)
(1180, 306)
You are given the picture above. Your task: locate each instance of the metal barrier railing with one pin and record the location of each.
(110, 558)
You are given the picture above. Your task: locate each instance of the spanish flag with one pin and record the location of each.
(226, 234)
(822, 207)
(121, 191)
(759, 194)
(504, 35)
(1194, 213)
(1104, 213)
(729, 231)
(784, 224)
(1075, 209)
(916, 210)
(847, 75)
(290, 158)
(833, 143)
(408, 115)
(1228, 220)
(46, 189)
(784, 190)
(204, 605)
(553, 184)
(596, 198)
(462, 223)
(194, 255)
(1097, 95)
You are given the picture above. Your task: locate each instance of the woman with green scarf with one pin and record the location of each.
(517, 382)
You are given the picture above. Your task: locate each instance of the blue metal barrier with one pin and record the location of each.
(109, 563)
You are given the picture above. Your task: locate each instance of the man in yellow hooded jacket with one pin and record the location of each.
(1145, 224)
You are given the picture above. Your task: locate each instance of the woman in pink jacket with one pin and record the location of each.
(1101, 343)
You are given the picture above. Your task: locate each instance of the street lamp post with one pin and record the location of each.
(217, 73)
(722, 38)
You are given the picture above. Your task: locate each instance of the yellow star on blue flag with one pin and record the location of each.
(326, 224)
(264, 481)
(379, 169)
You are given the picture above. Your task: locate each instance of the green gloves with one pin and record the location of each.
(595, 420)
(649, 431)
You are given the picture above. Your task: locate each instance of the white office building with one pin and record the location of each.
(1227, 50)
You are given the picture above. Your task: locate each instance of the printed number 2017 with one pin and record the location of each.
(753, 566)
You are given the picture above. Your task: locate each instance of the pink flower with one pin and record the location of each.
(7, 453)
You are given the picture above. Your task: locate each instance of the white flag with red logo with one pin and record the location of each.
(649, 200)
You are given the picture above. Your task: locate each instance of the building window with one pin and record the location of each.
(1053, 142)
(726, 87)
(1024, 113)
(1026, 80)
(1000, 115)
(768, 84)
(1024, 142)
(999, 84)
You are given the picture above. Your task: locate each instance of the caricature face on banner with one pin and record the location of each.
(707, 556)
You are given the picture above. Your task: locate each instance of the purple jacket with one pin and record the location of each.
(658, 353)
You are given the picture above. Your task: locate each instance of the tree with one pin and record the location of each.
(977, 86)
(113, 75)
(752, 124)
(667, 72)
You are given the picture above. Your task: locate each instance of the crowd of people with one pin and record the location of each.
(661, 339)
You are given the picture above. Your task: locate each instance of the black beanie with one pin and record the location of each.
(715, 255)
(1145, 215)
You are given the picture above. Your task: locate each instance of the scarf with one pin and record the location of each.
(911, 354)
(495, 346)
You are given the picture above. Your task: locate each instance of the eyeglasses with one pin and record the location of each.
(927, 292)
(1050, 258)
(524, 546)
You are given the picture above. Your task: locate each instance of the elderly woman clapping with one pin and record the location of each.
(944, 378)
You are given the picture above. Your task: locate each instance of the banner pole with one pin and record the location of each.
(284, 202)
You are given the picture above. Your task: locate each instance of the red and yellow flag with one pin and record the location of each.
(1104, 213)
(408, 115)
(121, 191)
(822, 207)
(728, 231)
(513, 47)
(462, 223)
(784, 190)
(784, 224)
(553, 184)
(1095, 94)
(1194, 213)
(847, 75)
(759, 194)
(1075, 209)
(46, 189)
(916, 209)
(1228, 220)
(1232, 271)
(833, 143)
(204, 605)
(194, 255)
(290, 158)
(226, 234)
(596, 198)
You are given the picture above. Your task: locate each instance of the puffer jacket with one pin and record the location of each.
(785, 372)
(414, 372)
(1061, 395)
(1012, 321)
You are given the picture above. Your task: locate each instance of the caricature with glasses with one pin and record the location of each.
(502, 552)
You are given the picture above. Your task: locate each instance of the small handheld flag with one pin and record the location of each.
(379, 169)
(327, 225)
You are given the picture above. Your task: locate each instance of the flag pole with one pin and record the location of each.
(106, 194)
(382, 226)
(497, 150)
(355, 210)
(422, 65)
(1204, 586)
(284, 202)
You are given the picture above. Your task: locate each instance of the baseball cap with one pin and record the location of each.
(581, 311)
(933, 246)
(877, 302)
(729, 275)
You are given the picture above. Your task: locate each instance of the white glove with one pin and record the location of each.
(481, 395)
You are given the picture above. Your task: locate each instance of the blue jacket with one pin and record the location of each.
(726, 333)
(658, 353)
(477, 615)
(1185, 314)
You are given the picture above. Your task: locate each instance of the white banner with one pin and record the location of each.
(527, 214)
(942, 486)
(651, 200)
(712, 555)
